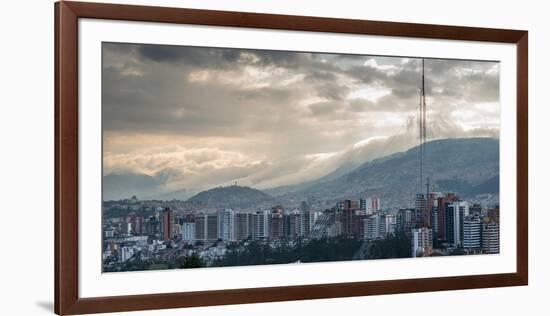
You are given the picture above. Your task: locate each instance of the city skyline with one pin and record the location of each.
(143, 235)
(280, 117)
(216, 157)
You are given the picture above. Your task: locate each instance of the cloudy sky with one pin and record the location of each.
(201, 117)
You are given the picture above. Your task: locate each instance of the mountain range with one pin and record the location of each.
(467, 166)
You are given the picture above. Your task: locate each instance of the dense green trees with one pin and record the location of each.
(317, 250)
(397, 246)
(193, 261)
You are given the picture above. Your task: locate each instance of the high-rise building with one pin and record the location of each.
(201, 227)
(347, 219)
(167, 222)
(350, 205)
(334, 229)
(388, 223)
(363, 204)
(490, 234)
(243, 225)
(212, 227)
(405, 220)
(136, 224)
(421, 242)
(439, 214)
(358, 224)
(188, 231)
(371, 226)
(432, 216)
(127, 228)
(276, 226)
(176, 229)
(152, 226)
(471, 232)
(260, 224)
(454, 221)
(370, 205)
(226, 224)
(293, 224)
(375, 204)
(307, 221)
(422, 212)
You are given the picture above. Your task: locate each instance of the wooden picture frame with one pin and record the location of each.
(67, 15)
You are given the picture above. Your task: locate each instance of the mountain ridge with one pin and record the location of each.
(468, 166)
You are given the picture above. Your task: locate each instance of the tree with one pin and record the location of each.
(193, 261)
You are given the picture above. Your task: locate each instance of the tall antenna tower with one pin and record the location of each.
(422, 126)
(425, 205)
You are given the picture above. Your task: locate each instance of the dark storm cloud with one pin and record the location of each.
(281, 58)
(163, 99)
(320, 76)
(195, 56)
(366, 74)
(332, 91)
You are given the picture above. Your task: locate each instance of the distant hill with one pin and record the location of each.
(232, 196)
(467, 166)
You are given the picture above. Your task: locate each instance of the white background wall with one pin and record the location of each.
(26, 156)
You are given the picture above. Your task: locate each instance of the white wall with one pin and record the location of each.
(26, 168)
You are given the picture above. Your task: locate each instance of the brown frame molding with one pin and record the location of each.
(67, 301)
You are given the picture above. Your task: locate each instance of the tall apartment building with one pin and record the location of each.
(421, 242)
(276, 226)
(206, 227)
(226, 224)
(371, 226)
(200, 227)
(347, 219)
(212, 227)
(454, 221)
(421, 207)
(243, 225)
(167, 222)
(388, 222)
(363, 204)
(370, 205)
(188, 231)
(405, 220)
(293, 224)
(490, 236)
(307, 221)
(471, 233)
(375, 204)
(260, 224)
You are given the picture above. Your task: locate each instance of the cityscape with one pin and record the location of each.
(217, 157)
(146, 235)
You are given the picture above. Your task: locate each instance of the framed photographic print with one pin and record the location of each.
(212, 157)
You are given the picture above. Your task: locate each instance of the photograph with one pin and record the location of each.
(217, 157)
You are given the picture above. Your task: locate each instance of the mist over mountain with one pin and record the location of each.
(370, 149)
(469, 167)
